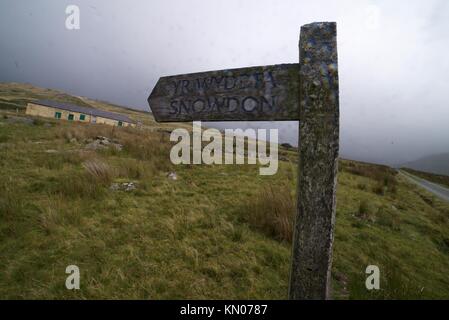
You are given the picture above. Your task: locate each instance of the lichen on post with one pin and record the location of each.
(319, 143)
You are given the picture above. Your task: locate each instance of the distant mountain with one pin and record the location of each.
(438, 163)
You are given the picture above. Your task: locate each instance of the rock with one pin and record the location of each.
(95, 145)
(101, 142)
(51, 151)
(172, 176)
(124, 186)
(128, 186)
(114, 187)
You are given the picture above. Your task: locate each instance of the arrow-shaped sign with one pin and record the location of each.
(255, 93)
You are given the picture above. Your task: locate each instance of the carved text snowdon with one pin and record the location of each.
(253, 93)
(223, 84)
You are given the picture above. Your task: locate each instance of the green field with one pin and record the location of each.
(218, 231)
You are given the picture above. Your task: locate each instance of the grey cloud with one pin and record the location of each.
(393, 66)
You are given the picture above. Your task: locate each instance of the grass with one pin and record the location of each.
(98, 171)
(220, 231)
(272, 212)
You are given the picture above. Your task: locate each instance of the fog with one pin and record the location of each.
(393, 58)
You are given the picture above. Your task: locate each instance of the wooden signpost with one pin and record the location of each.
(256, 93)
(307, 92)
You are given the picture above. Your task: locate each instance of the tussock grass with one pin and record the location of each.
(388, 219)
(148, 148)
(78, 186)
(11, 204)
(137, 144)
(81, 132)
(136, 169)
(58, 159)
(98, 171)
(272, 211)
(365, 209)
(54, 213)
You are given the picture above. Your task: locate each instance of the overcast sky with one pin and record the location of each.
(393, 57)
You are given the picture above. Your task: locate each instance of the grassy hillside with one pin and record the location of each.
(15, 96)
(220, 231)
(435, 178)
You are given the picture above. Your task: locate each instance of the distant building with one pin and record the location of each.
(58, 110)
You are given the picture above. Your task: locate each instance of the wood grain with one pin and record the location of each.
(264, 93)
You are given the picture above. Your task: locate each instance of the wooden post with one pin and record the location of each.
(319, 143)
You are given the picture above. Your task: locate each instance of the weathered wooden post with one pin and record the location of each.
(318, 151)
(307, 92)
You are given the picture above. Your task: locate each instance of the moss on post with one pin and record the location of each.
(319, 144)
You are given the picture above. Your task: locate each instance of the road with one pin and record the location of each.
(436, 189)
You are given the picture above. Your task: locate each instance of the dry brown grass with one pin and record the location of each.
(99, 171)
(384, 176)
(272, 211)
(89, 183)
(135, 169)
(11, 205)
(365, 211)
(80, 131)
(373, 171)
(137, 143)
